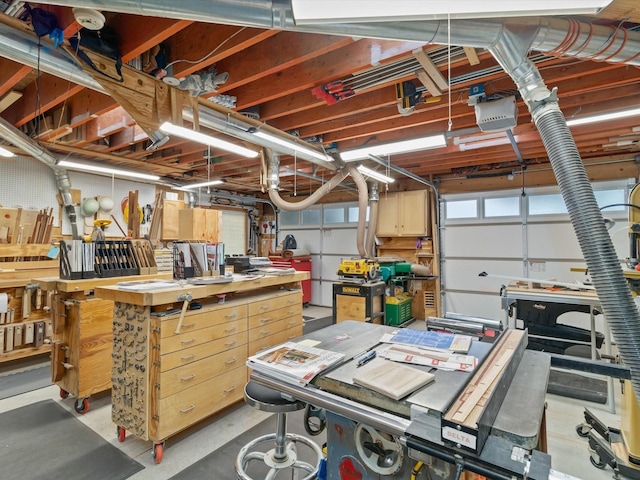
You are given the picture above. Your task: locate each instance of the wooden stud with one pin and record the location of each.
(472, 55)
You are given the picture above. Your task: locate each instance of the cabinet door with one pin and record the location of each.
(387, 215)
(412, 210)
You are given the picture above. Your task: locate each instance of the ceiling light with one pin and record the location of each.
(198, 185)
(604, 116)
(292, 145)
(207, 140)
(352, 11)
(375, 175)
(105, 170)
(6, 153)
(404, 146)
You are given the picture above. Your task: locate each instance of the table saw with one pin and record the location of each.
(372, 436)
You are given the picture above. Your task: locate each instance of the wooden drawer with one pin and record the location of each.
(198, 352)
(275, 301)
(264, 340)
(198, 319)
(204, 335)
(272, 328)
(178, 379)
(191, 405)
(294, 311)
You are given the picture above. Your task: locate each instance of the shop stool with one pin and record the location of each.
(284, 454)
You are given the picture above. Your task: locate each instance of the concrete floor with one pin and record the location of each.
(569, 452)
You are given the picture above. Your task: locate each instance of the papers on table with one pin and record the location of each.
(295, 363)
(431, 358)
(446, 351)
(429, 339)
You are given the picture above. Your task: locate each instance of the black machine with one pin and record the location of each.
(540, 318)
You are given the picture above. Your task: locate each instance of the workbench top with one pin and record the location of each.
(170, 294)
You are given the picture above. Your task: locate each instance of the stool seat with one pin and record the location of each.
(284, 454)
(267, 399)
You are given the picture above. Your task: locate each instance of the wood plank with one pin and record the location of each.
(472, 55)
(428, 83)
(431, 69)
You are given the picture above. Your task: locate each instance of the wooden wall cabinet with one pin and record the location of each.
(199, 224)
(404, 214)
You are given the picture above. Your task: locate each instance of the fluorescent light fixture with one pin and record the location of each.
(296, 147)
(105, 170)
(198, 185)
(375, 175)
(207, 140)
(404, 146)
(604, 117)
(6, 153)
(357, 11)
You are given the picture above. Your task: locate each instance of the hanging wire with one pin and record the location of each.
(450, 122)
(295, 173)
(193, 62)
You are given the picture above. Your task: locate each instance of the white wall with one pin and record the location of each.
(29, 183)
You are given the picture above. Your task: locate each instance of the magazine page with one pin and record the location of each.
(392, 379)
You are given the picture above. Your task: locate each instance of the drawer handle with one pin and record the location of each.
(230, 390)
(291, 337)
(265, 320)
(188, 325)
(228, 344)
(290, 301)
(187, 379)
(188, 357)
(231, 315)
(265, 307)
(187, 342)
(230, 362)
(291, 312)
(264, 332)
(292, 322)
(232, 329)
(188, 409)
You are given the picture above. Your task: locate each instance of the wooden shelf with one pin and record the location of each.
(24, 352)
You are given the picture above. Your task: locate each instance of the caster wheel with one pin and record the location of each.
(63, 393)
(82, 406)
(597, 463)
(583, 430)
(157, 452)
(121, 433)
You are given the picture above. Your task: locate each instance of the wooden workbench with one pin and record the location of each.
(81, 334)
(174, 367)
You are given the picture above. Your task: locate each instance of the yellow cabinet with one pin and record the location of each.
(404, 214)
(200, 224)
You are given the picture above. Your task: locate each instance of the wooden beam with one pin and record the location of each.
(428, 83)
(472, 55)
(431, 69)
(9, 99)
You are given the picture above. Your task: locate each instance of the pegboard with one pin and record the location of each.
(29, 183)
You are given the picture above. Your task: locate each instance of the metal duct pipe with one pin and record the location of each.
(363, 199)
(20, 140)
(369, 244)
(243, 130)
(549, 34)
(22, 47)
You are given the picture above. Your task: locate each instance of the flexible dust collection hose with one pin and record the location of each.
(613, 290)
